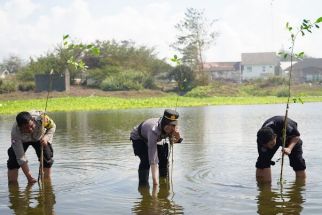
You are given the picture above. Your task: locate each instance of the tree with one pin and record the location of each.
(184, 76)
(12, 64)
(195, 35)
(306, 27)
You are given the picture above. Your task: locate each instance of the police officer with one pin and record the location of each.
(269, 139)
(30, 129)
(147, 145)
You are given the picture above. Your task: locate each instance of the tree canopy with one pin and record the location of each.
(195, 34)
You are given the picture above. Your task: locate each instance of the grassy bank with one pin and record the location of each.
(110, 103)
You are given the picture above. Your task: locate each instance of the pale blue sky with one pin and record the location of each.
(34, 27)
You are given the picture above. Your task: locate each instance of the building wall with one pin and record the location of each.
(226, 75)
(310, 74)
(257, 71)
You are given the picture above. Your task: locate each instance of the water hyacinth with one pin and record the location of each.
(113, 103)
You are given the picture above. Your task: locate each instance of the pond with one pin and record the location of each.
(213, 170)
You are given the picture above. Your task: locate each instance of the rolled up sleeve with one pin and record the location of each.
(17, 147)
(152, 149)
(50, 127)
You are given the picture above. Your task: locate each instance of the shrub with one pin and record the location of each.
(7, 86)
(26, 86)
(127, 80)
(26, 75)
(282, 93)
(203, 91)
(272, 81)
(98, 75)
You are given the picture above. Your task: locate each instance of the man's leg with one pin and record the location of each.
(301, 174)
(13, 166)
(163, 154)
(48, 158)
(263, 175)
(263, 164)
(12, 175)
(141, 150)
(48, 161)
(297, 161)
(47, 173)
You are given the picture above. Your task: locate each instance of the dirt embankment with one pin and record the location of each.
(81, 92)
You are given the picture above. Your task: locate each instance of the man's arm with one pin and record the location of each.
(155, 173)
(26, 171)
(293, 141)
(21, 159)
(50, 127)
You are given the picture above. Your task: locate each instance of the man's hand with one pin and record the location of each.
(31, 180)
(26, 171)
(287, 151)
(176, 136)
(44, 140)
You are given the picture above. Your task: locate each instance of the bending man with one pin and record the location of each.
(269, 139)
(30, 129)
(147, 145)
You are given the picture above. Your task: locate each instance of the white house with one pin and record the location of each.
(259, 65)
(4, 73)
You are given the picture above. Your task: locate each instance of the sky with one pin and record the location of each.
(32, 28)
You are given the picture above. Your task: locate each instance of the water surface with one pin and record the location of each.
(95, 171)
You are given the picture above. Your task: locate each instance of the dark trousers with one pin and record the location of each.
(141, 150)
(296, 157)
(48, 155)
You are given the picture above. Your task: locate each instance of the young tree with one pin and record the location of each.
(195, 35)
(306, 27)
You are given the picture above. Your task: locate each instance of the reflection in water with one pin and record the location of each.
(32, 200)
(289, 201)
(159, 202)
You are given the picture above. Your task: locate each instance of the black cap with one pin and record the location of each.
(264, 135)
(170, 117)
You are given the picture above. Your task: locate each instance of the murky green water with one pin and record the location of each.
(95, 171)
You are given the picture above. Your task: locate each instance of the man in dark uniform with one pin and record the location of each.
(269, 139)
(147, 145)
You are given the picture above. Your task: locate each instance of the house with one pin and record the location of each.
(259, 65)
(4, 74)
(307, 70)
(224, 71)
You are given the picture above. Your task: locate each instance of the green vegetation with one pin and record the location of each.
(268, 91)
(112, 66)
(105, 103)
(262, 87)
(195, 34)
(103, 64)
(7, 86)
